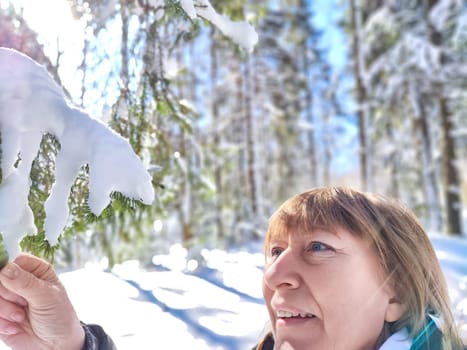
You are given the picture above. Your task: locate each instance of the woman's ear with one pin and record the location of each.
(394, 310)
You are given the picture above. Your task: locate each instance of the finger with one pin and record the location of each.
(11, 311)
(13, 297)
(8, 328)
(24, 283)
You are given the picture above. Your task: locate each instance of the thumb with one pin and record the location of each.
(37, 266)
(24, 283)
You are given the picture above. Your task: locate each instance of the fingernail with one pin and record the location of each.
(10, 271)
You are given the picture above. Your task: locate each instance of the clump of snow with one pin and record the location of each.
(189, 8)
(31, 104)
(242, 33)
(441, 12)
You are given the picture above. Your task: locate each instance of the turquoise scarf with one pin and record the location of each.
(430, 337)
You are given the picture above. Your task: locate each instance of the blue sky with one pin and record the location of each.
(327, 14)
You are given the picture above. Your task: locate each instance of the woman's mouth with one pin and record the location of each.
(292, 315)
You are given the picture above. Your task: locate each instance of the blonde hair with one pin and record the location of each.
(405, 251)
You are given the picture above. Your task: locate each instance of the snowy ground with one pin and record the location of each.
(217, 307)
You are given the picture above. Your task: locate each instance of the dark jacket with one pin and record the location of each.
(96, 338)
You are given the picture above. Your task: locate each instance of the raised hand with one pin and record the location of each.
(35, 311)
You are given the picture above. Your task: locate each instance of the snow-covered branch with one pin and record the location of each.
(32, 104)
(242, 33)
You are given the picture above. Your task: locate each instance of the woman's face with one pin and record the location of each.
(325, 291)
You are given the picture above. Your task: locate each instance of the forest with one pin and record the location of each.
(229, 133)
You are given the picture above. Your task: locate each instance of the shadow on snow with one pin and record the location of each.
(214, 339)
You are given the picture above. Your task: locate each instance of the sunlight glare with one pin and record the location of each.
(50, 18)
(58, 31)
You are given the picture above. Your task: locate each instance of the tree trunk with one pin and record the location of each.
(309, 117)
(305, 50)
(394, 162)
(250, 145)
(124, 48)
(424, 154)
(451, 190)
(362, 103)
(186, 193)
(217, 140)
(450, 172)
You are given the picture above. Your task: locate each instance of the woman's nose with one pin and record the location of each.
(283, 272)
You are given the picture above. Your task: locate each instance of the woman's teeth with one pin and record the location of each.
(286, 314)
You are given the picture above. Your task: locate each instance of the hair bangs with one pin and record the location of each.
(304, 213)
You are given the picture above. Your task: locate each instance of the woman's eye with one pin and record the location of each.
(276, 251)
(320, 247)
